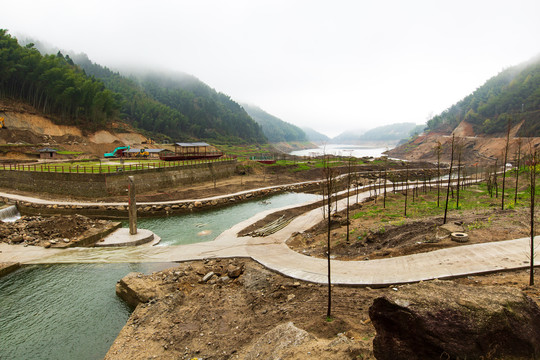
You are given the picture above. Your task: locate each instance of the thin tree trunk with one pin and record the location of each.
(495, 183)
(458, 176)
(517, 171)
(505, 161)
(384, 198)
(534, 163)
(406, 189)
(449, 181)
(438, 176)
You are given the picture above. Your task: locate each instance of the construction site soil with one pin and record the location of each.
(54, 231)
(244, 311)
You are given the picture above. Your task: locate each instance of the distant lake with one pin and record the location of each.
(342, 150)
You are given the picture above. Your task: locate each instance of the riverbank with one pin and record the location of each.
(55, 231)
(237, 309)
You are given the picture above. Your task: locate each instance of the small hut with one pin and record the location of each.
(47, 153)
(187, 151)
(192, 149)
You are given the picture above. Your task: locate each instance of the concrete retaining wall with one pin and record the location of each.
(101, 185)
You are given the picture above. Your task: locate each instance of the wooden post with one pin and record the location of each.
(132, 206)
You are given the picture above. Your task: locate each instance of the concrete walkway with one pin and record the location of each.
(273, 253)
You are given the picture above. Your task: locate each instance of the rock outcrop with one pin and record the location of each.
(455, 322)
(284, 337)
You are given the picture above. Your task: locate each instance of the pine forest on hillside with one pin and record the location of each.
(275, 129)
(514, 94)
(73, 90)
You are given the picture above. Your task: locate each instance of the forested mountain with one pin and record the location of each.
(275, 129)
(54, 85)
(178, 104)
(514, 94)
(315, 136)
(73, 90)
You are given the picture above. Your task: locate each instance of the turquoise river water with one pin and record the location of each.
(71, 311)
(207, 225)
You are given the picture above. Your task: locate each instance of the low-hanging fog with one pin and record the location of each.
(331, 66)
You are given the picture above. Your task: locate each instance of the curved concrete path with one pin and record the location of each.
(272, 252)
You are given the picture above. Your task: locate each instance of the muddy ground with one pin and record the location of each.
(371, 239)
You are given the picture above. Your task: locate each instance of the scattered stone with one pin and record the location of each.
(234, 271)
(208, 276)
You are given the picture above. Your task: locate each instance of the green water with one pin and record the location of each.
(63, 311)
(71, 311)
(207, 225)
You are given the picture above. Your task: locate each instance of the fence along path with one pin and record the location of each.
(105, 168)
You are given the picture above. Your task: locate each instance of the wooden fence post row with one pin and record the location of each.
(99, 169)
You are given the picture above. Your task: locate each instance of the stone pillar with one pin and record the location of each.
(132, 206)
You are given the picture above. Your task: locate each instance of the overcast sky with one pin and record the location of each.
(330, 65)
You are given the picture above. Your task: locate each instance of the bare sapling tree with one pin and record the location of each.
(533, 164)
(449, 180)
(329, 181)
(357, 184)
(406, 189)
(349, 168)
(495, 175)
(459, 149)
(438, 151)
(505, 160)
(518, 158)
(385, 177)
(489, 181)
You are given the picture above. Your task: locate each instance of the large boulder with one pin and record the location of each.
(445, 320)
(275, 344)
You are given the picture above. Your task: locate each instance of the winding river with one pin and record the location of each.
(70, 311)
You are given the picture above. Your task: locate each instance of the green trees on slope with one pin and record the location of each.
(513, 93)
(179, 106)
(76, 91)
(53, 84)
(275, 129)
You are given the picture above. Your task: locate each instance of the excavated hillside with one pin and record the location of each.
(27, 130)
(475, 148)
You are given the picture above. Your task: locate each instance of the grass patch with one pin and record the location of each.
(425, 205)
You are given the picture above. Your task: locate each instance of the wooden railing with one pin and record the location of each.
(107, 168)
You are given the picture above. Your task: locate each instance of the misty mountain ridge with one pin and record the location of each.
(315, 136)
(275, 129)
(174, 106)
(381, 135)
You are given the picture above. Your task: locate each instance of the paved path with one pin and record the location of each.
(272, 252)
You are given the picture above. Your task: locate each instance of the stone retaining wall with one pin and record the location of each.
(180, 207)
(107, 184)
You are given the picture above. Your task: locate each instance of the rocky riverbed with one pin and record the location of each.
(54, 231)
